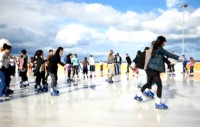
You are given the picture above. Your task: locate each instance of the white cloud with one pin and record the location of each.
(76, 34)
(119, 36)
(172, 3)
(196, 13)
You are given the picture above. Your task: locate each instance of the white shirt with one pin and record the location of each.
(91, 61)
(12, 62)
(4, 60)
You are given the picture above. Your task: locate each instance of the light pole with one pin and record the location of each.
(183, 36)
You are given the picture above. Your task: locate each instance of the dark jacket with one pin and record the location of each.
(156, 61)
(25, 62)
(128, 59)
(120, 59)
(40, 61)
(68, 61)
(140, 61)
(53, 63)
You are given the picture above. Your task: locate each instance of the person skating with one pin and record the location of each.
(85, 67)
(53, 69)
(111, 68)
(75, 62)
(69, 67)
(192, 62)
(128, 59)
(92, 66)
(40, 73)
(47, 64)
(23, 69)
(154, 68)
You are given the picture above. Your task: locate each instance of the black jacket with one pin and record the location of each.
(53, 63)
(128, 59)
(40, 61)
(140, 60)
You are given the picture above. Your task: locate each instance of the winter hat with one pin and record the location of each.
(4, 41)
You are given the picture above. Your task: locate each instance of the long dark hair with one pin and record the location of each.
(159, 42)
(68, 56)
(58, 50)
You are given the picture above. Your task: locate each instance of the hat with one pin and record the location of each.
(4, 41)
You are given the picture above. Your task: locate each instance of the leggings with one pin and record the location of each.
(153, 76)
(24, 75)
(40, 77)
(75, 70)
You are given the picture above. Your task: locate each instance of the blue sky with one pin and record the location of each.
(96, 26)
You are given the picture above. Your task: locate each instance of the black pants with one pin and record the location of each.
(40, 77)
(128, 65)
(171, 68)
(24, 76)
(191, 69)
(75, 70)
(69, 71)
(47, 75)
(85, 70)
(153, 76)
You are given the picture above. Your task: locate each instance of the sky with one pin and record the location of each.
(97, 26)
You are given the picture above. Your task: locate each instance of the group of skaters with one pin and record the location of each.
(49, 66)
(151, 62)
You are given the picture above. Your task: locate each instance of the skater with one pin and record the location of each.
(85, 67)
(53, 69)
(23, 69)
(111, 68)
(135, 60)
(5, 91)
(172, 65)
(75, 62)
(154, 68)
(128, 59)
(118, 64)
(69, 67)
(92, 66)
(40, 73)
(192, 62)
(2, 76)
(47, 64)
(185, 70)
(7, 68)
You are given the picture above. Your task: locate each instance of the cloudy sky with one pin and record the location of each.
(96, 26)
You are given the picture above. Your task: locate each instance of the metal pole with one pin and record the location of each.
(183, 38)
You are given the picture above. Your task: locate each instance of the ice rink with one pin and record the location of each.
(95, 103)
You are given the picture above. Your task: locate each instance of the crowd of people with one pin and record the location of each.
(149, 63)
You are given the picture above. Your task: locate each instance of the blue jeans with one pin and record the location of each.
(118, 68)
(2, 82)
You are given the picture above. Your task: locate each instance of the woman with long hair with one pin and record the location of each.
(40, 72)
(111, 66)
(154, 68)
(53, 69)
